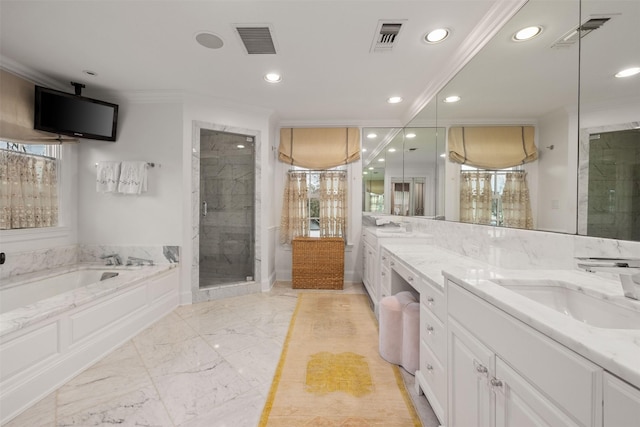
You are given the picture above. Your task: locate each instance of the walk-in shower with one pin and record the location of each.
(227, 202)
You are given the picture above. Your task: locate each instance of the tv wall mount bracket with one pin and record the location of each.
(78, 87)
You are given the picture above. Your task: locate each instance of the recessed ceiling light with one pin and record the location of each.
(365, 173)
(391, 150)
(381, 160)
(436, 36)
(364, 150)
(443, 155)
(273, 77)
(371, 168)
(527, 33)
(628, 72)
(371, 135)
(452, 98)
(240, 146)
(209, 40)
(410, 135)
(394, 100)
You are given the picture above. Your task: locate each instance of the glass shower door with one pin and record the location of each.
(227, 189)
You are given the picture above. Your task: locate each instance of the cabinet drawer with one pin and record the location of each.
(432, 333)
(385, 258)
(406, 273)
(571, 381)
(434, 375)
(385, 282)
(433, 299)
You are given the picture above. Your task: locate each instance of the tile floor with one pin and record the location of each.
(208, 364)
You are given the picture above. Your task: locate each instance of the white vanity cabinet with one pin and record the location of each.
(621, 403)
(370, 260)
(504, 373)
(385, 274)
(431, 378)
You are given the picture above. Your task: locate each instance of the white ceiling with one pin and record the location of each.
(329, 74)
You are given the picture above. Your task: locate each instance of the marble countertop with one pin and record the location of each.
(616, 350)
(14, 320)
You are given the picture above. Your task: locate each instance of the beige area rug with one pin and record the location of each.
(330, 372)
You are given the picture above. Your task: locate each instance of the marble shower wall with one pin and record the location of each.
(239, 288)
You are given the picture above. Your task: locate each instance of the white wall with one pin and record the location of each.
(148, 132)
(555, 195)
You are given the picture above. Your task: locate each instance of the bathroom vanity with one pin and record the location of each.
(516, 347)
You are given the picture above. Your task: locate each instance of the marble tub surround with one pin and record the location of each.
(19, 263)
(616, 350)
(157, 254)
(51, 307)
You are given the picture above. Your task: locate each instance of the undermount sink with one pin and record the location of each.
(568, 299)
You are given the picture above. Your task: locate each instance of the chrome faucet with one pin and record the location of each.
(627, 269)
(138, 261)
(112, 259)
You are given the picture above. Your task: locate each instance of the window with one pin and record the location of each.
(495, 197)
(28, 186)
(315, 204)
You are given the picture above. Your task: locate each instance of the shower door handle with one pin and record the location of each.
(204, 208)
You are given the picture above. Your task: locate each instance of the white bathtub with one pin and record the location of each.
(21, 293)
(59, 323)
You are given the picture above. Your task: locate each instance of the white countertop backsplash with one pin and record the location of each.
(474, 255)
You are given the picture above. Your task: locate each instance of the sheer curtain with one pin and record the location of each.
(28, 191)
(295, 208)
(333, 204)
(475, 197)
(516, 204)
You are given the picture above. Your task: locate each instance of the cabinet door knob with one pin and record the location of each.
(429, 368)
(429, 299)
(410, 279)
(384, 258)
(496, 382)
(383, 273)
(480, 368)
(393, 263)
(429, 328)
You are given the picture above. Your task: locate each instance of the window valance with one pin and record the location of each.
(492, 147)
(319, 148)
(17, 111)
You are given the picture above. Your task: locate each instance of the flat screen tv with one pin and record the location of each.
(74, 115)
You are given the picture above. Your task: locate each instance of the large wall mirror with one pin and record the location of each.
(562, 83)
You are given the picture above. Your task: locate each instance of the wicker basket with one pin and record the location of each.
(318, 263)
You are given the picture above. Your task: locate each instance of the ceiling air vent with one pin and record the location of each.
(571, 37)
(386, 35)
(257, 40)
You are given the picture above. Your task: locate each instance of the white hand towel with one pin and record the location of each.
(107, 176)
(133, 177)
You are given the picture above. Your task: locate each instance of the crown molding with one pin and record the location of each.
(30, 74)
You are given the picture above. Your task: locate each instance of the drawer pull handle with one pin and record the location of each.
(429, 328)
(496, 382)
(429, 368)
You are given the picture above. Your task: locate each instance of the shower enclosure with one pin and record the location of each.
(227, 189)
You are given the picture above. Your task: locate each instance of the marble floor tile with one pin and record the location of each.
(42, 414)
(208, 364)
